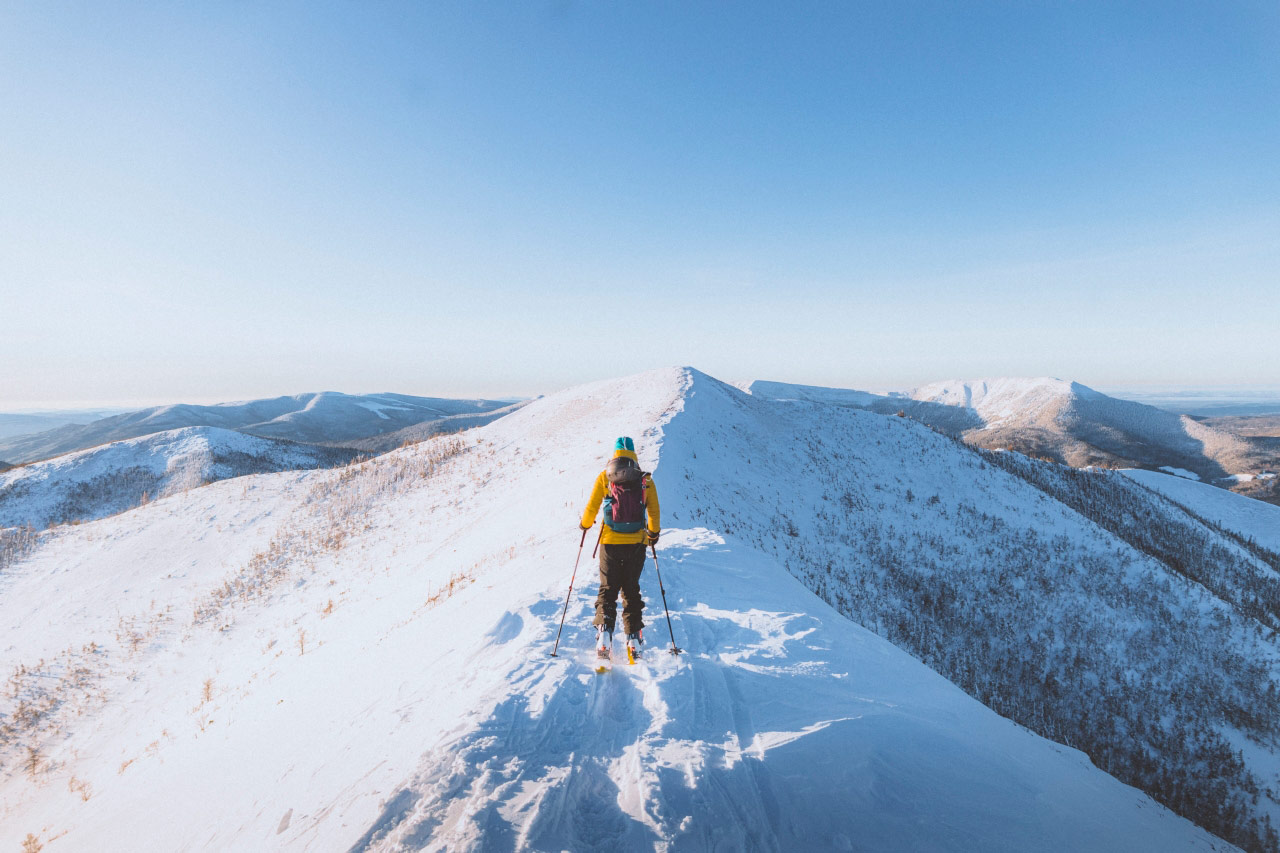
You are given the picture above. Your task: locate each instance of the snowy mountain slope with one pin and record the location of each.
(114, 477)
(1007, 400)
(324, 417)
(356, 659)
(1087, 633)
(1064, 421)
(427, 429)
(1249, 518)
(811, 393)
(1074, 424)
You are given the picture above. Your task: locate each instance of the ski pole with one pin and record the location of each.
(675, 650)
(581, 545)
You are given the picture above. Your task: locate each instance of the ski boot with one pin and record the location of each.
(604, 647)
(634, 641)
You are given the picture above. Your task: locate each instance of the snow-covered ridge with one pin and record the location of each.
(326, 417)
(901, 528)
(1057, 419)
(399, 611)
(114, 477)
(1244, 516)
(784, 391)
(1001, 400)
(427, 429)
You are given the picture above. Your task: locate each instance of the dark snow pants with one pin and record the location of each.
(620, 568)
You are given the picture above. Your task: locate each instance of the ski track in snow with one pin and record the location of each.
(395, 692)
(778, 729)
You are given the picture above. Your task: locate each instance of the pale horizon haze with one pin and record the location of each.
(222, 202)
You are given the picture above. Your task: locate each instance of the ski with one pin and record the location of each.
(603, 660)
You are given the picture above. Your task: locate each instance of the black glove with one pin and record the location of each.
(653, 537)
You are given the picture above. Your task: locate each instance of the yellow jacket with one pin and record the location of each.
(598, 493)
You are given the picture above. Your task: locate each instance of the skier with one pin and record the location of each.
(628, 494)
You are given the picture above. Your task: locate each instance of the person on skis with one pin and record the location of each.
(628, 495)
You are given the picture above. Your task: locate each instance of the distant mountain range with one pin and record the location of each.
(1063, 421)
(1213, 402)
(25, 423)
(111, 478)
(427, 429)
(327, 417)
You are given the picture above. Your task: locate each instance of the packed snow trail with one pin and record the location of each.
(358, 659)
(783, 727)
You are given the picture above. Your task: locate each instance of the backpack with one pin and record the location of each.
(624, 506)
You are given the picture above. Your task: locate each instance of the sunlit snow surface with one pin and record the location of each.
(394, 691)
(113, 477)
(1248, 517)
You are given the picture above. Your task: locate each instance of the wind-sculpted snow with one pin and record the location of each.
(119, 476)
(357, 659)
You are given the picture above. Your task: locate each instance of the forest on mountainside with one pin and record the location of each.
(1137, 632)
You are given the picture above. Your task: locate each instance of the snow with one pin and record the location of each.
(114, 477)
(315, 417)
(783, 391)
(1003, 400)
(380, 408)
(393, 690)
(1180, 472)
(1242, 515)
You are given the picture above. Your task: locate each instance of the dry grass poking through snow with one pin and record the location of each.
(16, 543)
(38, 701)
(336, 508)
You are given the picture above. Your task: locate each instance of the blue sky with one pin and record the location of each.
(230, 200)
